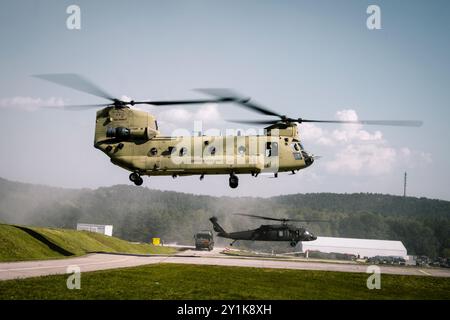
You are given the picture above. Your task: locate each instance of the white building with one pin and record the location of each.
(99, 228)
(362, 247)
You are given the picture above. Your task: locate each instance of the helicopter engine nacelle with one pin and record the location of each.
(123, 133)
(124, 124)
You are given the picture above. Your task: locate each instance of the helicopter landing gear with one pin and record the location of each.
(254, 174)
(233, 181)
(293, 243)
(136, 178)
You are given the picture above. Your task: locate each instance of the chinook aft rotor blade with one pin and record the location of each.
(76, 82)
(80, 83)
(77, 107)
(181, 102)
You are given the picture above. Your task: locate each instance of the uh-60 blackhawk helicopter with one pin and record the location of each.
(131, 138)
(272, 232)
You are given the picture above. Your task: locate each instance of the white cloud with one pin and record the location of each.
(29, 103)
(367, 159)
(178, 118)
(357, 151)
(314, 133)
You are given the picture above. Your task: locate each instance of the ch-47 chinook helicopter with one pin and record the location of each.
(271, 232)
(131, 139)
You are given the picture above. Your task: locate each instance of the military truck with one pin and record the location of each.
(204, 240)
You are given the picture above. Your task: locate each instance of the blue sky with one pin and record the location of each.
(313, 59)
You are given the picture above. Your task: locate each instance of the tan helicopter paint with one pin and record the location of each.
(147, 152)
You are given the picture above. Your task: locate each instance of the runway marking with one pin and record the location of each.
(424, 272)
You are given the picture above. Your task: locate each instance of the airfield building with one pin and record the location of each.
(99, 228)
(358, 247)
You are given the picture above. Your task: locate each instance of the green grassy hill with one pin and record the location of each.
(19, 243)
(15, 244)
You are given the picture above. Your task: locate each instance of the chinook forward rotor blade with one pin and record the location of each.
(399, 123)
(256, 121)
(245, 102)
(279, 219)
(240, 99)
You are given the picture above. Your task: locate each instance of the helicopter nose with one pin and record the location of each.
(308, 158)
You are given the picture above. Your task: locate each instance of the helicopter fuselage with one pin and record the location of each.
(274, 232)
(132, 140)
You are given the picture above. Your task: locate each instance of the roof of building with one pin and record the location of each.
(93, 225)
(355, 243)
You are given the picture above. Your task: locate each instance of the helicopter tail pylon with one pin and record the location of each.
(217, 227)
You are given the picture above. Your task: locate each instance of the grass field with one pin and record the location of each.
(172, 281)
(17, 244)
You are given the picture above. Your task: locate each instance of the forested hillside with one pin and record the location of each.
(140, 213)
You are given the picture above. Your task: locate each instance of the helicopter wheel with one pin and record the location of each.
(136, 178)
(293, 243)
(233, 181)
(139, 181)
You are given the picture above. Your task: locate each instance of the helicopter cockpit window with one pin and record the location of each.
(183, 151)
(301, 146)
(295, 147)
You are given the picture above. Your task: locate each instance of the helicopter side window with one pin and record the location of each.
(153, 152)
(241, 150)
(183, 151)
(280, 233)
(170, 150)
(271, 149)
(212, 150)
(274, 149)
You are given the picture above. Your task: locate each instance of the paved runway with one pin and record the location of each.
(93, 262)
